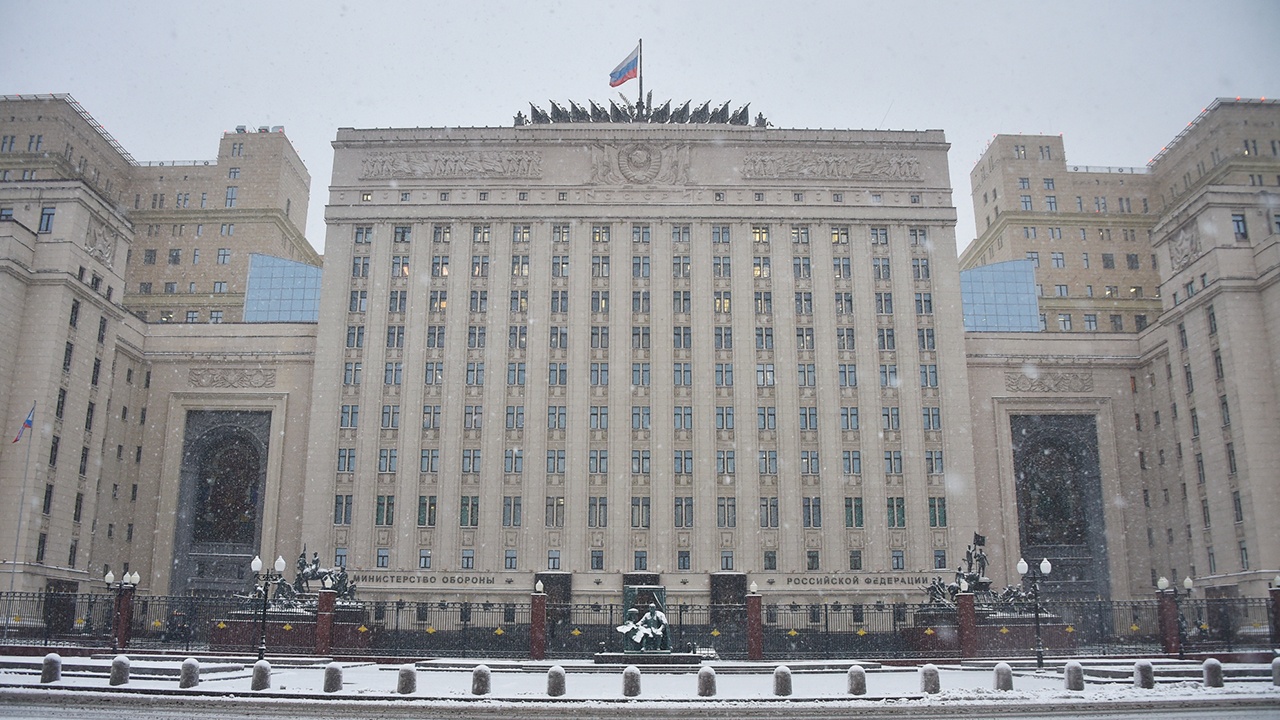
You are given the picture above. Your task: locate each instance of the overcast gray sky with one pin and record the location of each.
(1118, 79)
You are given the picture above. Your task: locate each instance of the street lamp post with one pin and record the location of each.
(128, 582)
(1037, 575)
(266, 578)
(1163, 585)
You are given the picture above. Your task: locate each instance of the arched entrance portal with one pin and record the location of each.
(1060, 510)
(218, 528)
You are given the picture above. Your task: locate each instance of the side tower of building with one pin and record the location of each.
(197, 223)
(67, 346)
(154, 449)
(1208, 383)
(1085, 228)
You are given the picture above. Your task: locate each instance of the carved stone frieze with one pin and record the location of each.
(818, 165)
(453, 164)
(1184, 246)
(100, 243)
(1062, 382)
(231, 378)
(640, 164)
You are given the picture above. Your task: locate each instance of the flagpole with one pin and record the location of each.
(17, 540)
(640, 76)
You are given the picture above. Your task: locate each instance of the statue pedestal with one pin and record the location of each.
(288, 631)
(618, 658)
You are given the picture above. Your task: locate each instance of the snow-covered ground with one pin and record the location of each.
(444, 687)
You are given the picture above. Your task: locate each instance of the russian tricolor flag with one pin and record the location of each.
(26, 424)
(627, 69)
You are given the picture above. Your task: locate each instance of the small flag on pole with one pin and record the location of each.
(31, 418)
(627, 69)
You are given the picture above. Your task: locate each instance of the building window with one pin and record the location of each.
(853, 515)
(469, 511)
(46, 220)
(640, 512)
(937, 512)
(468, 556)
(426, 511)
(386, 510)
(897, 513)
(811, 511)
(769, 512)
(1239, 227)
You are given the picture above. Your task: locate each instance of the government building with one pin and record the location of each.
(683, 349)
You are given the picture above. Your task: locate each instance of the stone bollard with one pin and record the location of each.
(1275, 672)
(119, 670)
(782, 680)
(1144, 676)
(261, 676)
(332, 677)
(407, 679)
(631, 681)
(555, 681)
(189, 676)
(1074, 675)
(707, 682)
(929, 682)
(51, 668)
(480, 680)
(1212, 673)
(1004, 676)
(857, 680)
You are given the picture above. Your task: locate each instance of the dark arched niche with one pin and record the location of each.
(222, 478)
(1060, 506)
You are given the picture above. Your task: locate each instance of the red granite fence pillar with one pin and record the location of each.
(1275, 614)
(538, 626)
(755, 628)
(325, 602)
(124, 616)
(1167, 612)
(967, 625)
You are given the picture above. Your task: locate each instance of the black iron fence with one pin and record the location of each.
(836, 629)
(498, 629)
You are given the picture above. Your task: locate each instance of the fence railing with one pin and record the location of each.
(496, 629)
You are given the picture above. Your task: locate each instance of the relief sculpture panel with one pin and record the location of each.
(452, 164)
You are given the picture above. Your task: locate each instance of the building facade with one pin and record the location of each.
(1207, 417)
(703, 352)
(695, 353)
(1086, 229)
(110, 474)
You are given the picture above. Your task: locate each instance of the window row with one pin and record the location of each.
(726, 463)
(641, 234)
(640, 562)
(640, 515)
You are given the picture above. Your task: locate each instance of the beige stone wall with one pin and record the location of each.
(1095, 265)
(658, 177)
(181, 213)
(1220, 328)
(1086, 375)
(75, 264)
(203, 367)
